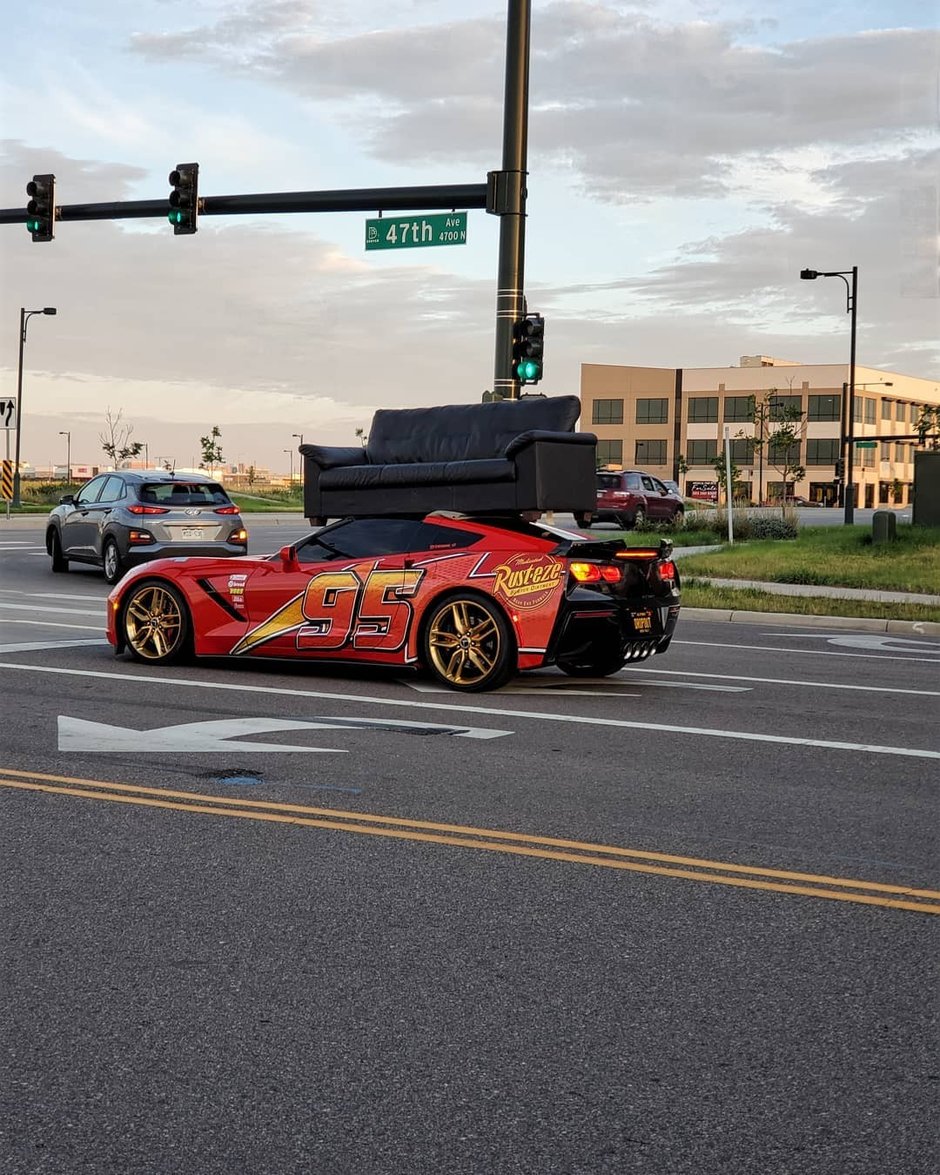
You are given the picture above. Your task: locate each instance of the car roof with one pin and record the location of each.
(163, 475)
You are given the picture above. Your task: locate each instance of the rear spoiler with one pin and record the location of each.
(613, 549)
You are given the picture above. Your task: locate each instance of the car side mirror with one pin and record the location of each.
(288, 558)
(67, 500)
(663, 493)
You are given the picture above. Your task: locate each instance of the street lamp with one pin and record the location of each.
(291, 452)
(851, 297)
(68, 453)
(300, 437)
(25, 316)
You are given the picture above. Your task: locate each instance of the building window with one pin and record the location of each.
(901, 412)
(885, 451)
(868, 458)
(822, 451)
(610, 452)
(703, 410)
(742, 451)
(885, 409)
(651, 452)
(738, 408)
(781, 453)
(702, 452)
(824, 408)
(785, 407)
(652, 411)
(900, 453)
(870, 406)
(607, 412)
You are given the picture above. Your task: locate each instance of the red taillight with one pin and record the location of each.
(136, 508)
(140, 536)
(666, 569)
(225, 510)
(595, 572)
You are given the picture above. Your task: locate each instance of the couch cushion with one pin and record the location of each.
(430, 473)
(462, 432)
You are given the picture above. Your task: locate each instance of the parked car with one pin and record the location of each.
(118, 520)
(631, 497)
(469, 600)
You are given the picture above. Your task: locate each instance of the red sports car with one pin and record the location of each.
(470, 600)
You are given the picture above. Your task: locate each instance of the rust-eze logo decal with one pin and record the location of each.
(528, 581)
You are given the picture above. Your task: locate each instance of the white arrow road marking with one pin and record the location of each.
(77, 734)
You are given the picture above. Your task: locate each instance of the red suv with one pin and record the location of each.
(632, 497)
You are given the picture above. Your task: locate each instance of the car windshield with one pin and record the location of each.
(183, 493)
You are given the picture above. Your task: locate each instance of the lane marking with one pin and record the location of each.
(873, 689)
(39, 646)
(454, 708)
(17, 621)
(78, 734)
(805, 652)
(586, 687)
(493, 840)
(99, 612)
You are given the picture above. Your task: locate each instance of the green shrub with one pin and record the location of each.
(773, 527)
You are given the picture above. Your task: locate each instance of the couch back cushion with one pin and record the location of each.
(464, 432)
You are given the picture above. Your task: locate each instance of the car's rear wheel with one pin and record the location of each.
(59, 561)
(155, 623)
(639, 517)
(467, 643)
(594, 664)
(111, 562)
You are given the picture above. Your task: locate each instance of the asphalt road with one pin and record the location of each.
(678, 920)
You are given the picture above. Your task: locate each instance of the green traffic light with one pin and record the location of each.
(528, 371)
(33, 225)
(176, 216)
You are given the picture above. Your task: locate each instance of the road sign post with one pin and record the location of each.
(416, 232)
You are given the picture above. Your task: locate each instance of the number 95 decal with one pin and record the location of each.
(340, 608)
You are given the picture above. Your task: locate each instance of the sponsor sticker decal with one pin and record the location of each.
(528, 581)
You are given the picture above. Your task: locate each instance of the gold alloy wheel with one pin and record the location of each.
(468, 644)
(154, 623)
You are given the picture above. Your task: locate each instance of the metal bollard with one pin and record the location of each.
(884, 526)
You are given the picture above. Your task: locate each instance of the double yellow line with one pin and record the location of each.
(837, 889)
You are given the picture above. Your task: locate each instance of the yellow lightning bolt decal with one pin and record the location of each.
(286, 619)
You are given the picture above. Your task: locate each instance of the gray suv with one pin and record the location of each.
(120, 519)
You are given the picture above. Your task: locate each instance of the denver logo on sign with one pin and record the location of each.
(528, 581)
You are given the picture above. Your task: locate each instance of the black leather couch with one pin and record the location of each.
(504, 457)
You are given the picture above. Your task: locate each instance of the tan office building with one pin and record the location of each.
(663, 419)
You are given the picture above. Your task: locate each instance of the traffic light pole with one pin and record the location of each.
(510, 204)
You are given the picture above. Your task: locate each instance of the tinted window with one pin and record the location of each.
(432, 536)
(183, 493)
(113, 490)
(648, 484)
(608, 481)
(89, 492)
(362, 538)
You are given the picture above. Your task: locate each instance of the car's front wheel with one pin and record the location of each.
(467, 643)
(59, 561)
(155, 623)
(111, 562)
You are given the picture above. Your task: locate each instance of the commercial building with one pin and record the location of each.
(672, 421)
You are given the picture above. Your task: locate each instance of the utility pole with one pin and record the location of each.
(511, 199)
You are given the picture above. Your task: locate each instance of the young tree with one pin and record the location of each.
(212, 448)
(361, 434)
(927, 426)
(116, 438)
(778, 436)
(722, 474)
(251, 475)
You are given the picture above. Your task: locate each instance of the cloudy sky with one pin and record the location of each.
(686, 159)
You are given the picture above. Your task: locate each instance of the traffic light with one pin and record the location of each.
(184, 199)
(840, 468)
(528, 348)
(40, 208)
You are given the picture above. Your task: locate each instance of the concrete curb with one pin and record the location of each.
(793, 619)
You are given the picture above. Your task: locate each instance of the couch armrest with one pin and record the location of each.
(334, 456)
(524, 439)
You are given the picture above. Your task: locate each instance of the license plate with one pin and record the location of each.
(643, 621)
(191, 532)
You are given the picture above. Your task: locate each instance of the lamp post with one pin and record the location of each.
(300, 437)
(291, 453)
(146, 455)
(25, 316)
(68, 453)
(851, 297)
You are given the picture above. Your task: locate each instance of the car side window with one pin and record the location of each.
(648, 484)
(362, 538)
(658, 486)
(633, 482)
(89, 492)
(113, 490)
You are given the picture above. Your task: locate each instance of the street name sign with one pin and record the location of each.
(7, 412)
(866, 444)
(416, 232)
